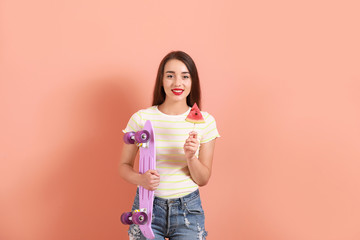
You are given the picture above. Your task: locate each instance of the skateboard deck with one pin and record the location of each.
(145, 139)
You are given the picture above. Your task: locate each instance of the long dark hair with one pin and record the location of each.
(195, 92)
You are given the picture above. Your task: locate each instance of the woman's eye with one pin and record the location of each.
(170, 76)
(186, 77)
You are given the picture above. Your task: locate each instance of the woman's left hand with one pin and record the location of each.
(191, 145)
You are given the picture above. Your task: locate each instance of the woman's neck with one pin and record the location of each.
(174, 108)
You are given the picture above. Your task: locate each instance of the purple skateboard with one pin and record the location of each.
(145, 139)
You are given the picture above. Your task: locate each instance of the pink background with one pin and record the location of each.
(282, 79)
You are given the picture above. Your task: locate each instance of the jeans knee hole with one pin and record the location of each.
(134, 232)
(201, 233)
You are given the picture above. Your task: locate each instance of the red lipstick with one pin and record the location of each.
(177, 91)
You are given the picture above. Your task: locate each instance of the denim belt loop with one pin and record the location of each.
(183, 203)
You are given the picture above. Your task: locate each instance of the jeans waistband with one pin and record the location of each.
(181, 200)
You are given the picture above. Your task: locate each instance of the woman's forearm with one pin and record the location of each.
(199, 172)
(129, 174)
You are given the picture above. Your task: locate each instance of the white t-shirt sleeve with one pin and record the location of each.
(135, 123)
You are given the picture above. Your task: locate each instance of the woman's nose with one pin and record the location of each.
(178, 80)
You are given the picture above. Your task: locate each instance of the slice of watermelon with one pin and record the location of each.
(195, 115)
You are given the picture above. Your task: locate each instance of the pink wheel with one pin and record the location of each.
(125, 218)
(129, 138)
(139, 218)
(142, 136)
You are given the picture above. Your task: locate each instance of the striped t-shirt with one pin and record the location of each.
(171, 131)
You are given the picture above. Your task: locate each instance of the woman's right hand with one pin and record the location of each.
(150, 180)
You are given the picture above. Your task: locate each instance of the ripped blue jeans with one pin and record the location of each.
(177, 219)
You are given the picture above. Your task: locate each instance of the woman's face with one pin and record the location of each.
(176, 80)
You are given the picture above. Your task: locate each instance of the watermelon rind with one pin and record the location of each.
(195, 121)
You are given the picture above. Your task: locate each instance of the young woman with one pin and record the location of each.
(183, 156)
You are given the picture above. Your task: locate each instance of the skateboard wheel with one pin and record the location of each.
(129, 138)
(142, 136)
(139, 218)
(125, 218)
